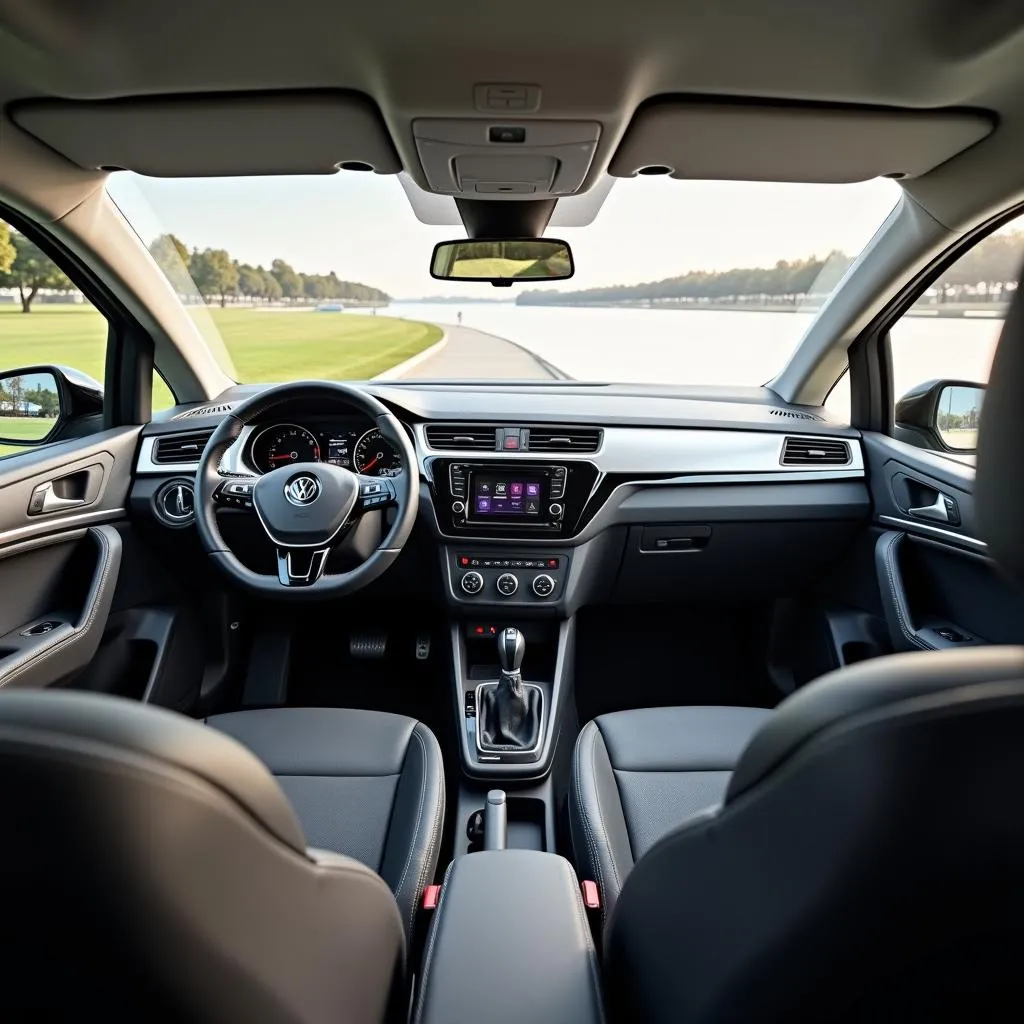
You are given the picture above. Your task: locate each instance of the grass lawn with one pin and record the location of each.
(265, 345)
(29, 429)
(492, 267)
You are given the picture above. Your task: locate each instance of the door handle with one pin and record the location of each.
(45, 499)
(938, 511)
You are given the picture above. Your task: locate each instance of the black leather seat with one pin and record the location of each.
(365, 784)
(864, 862)
(153, 868)
(639, 774)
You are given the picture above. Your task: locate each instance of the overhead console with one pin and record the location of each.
(504, 158)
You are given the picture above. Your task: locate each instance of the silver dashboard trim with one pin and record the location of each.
(681, 450)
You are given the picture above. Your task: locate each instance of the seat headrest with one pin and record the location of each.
(999, 484)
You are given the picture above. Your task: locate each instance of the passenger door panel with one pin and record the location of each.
(938, 587)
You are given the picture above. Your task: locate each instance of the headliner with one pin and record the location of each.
(596, 60)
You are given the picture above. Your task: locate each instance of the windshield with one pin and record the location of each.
(676, 282)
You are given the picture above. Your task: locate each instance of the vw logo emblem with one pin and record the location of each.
(303, 490)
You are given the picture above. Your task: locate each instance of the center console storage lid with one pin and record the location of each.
(510, 943)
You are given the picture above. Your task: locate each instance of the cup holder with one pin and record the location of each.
(40, 628)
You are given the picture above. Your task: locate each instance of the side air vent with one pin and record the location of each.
(462, 437)
(203, 410)
(793, 415)
(180, 448)
(815, 451)
(564, 439)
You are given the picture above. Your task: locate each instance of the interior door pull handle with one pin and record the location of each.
(45, 499)
(938, 511)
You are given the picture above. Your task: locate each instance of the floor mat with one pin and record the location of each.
(642, 657)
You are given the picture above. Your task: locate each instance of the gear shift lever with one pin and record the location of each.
(510, 712)
(511, 649)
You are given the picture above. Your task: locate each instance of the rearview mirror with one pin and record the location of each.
(30, 406)
(501, 261)
(942, 415)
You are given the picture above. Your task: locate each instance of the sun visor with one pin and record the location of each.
(210, 136)
(789, 142)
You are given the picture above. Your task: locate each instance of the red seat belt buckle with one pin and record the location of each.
(591, 895)
(431, 895)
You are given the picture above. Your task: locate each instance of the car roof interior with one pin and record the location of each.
(927, 92)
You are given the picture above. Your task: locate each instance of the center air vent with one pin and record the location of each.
(815, 451)
(564, 439)
(180, 448)
(462, 437)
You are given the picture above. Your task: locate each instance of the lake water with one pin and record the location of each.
(703, 346)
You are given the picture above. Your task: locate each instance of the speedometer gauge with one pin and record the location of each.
(375, 455)
(282, 445)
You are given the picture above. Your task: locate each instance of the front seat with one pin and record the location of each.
(862, 859)
(153, 869)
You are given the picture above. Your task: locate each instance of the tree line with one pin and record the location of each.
(217, 276)
(991, 268)
(26, 268)
(14, 396)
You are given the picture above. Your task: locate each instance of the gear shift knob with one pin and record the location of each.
(511, 648)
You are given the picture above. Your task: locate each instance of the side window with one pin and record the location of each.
(942, 347)
(45, 322)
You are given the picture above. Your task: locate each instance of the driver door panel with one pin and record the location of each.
(60, 560)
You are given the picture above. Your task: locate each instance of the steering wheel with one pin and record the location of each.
(305, 507)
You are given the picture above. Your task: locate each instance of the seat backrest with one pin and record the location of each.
(151, 869)
(867, 861)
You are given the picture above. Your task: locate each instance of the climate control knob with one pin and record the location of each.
(472, 583)
(507, 584)
(543, 585)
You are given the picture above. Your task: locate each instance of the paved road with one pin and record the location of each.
(471, 353)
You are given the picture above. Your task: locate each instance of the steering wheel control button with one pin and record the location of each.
(472, 583)
(459, 508)
(303, 489)
(507, 584)
(555, 510)
(543, 585)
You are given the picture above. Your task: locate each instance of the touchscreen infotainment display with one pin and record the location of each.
(511, 495)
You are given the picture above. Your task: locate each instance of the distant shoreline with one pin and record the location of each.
(974, 310)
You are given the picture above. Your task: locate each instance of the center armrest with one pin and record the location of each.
(510, 943)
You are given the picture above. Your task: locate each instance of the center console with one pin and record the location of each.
(510, 942)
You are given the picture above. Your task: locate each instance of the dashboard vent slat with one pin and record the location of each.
(564, 439)
(204, 410)
(815, 451)
(793, 414)
(462, 437)
(176, 449)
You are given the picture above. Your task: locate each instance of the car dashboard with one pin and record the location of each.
(544, 499)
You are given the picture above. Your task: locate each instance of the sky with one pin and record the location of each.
(362, 227)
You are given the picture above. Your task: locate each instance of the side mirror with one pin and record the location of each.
(942, 415)
(36, 401)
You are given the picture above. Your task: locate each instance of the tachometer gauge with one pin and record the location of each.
(282, 445)
(375, 455)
